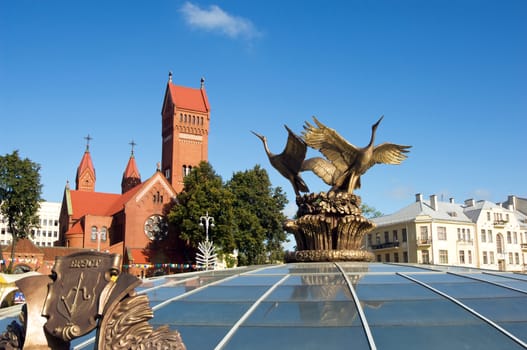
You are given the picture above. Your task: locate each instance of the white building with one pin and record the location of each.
(477, 234)
(46, 234)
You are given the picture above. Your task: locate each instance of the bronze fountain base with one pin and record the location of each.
(329, 227)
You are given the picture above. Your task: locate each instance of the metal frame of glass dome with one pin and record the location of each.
(340, 305)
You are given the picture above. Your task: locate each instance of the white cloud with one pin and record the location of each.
(215, 19)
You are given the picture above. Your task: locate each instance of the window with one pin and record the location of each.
(425, 257)
(167, 174)
(405, 257)
(405, 235)
(443, 256)
(461, 256)
(499, 244)
(386, 237)
(459, 234)
(424, 233)
(517, 258)
(488, 216)
(387, 257)
(395, 257)
(377, 238)
(94, 233)
(104, 233)
(369, 240)
(515, 237)
(395, 236)
(469, 237)
(509, 237)
(378, 258)
(491, 258)
(485, 258)
(483, 236)
(510, 259)
(469, 256)
(441, 233)
(489, 232)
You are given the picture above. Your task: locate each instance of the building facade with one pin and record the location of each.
(475, 234)
(133, 223)
(48, 231)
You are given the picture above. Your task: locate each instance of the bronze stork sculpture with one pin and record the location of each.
(289, 162)
(345, 162)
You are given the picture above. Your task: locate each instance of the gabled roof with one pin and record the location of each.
(24, 245)
(445, 211)
(188, 98)
(92, 203)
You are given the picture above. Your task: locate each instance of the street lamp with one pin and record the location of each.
(209, 220)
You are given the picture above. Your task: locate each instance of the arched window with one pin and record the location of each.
(499, 243)
(104, 233)
(94, 233)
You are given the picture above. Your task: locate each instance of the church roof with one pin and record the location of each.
(131, 170)
(92, 203)
(86, 163)
(189, 98)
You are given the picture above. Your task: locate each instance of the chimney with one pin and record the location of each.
(418, 197)
(451, 200)
(512, 202)
(469, 202)
(433, 201)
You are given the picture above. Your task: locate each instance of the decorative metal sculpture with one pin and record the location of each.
(330, 226)
(86, 291)
(345, 162)
(206, 258)
(289, 162)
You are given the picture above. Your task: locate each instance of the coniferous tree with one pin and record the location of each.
(20, 196)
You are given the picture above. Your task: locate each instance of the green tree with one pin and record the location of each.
(203, 193)
(370, 212)
(259, 218)
(20, 196)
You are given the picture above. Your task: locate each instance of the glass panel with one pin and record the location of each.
(310, 293)
(439, 277)
(474, 290)
(374, 292)
(326, 313)
(164, 293)
(383, 279)
(419, 337)
(239, 293)
(201, 337)
(500, 309)
(311, 279)
(199, 313)
(416, 313)
(310, 338)
(248, 280)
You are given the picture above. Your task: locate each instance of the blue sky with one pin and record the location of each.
(450, 77)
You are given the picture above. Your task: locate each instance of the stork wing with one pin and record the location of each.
(294, 152)
(321, 168)
(389, 153)
(333, 146)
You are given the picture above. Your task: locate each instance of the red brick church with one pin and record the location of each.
(133, 222)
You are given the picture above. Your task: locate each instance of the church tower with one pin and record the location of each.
(131, 176)
(85, 179)
(185, 131)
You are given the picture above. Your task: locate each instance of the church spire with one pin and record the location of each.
(131, 176)
(85, 179)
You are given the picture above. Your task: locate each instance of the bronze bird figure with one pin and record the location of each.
(289, 162)
(345, 163)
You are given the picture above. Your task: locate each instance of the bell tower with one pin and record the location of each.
(85, 179)
(185, 131)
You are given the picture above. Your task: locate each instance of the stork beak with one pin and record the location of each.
(261, 137)
(378, 122)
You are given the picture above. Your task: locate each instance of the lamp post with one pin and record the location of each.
(209, 221)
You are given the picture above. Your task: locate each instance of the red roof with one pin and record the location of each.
(131, 169)
(85, 163)
(189, 98)
(92, 203)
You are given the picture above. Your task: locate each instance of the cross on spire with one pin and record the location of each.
(88, 138)
(132, 143)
